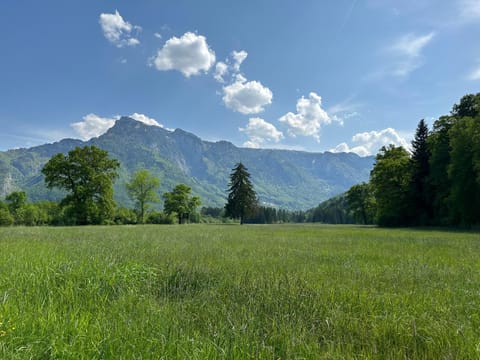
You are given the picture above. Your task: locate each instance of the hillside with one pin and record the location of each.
(283, 178)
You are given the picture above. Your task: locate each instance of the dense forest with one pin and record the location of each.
(436, 183)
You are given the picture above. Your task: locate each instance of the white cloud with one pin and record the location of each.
(407, 51)
(259, 131)
(238, 58)
(145, 119)
(189, 54)
(309, 118)
(246, 97)
(93, 125)
(221, 69)
(117, 30)
(231, 66)
(157, 35)
(369, 143)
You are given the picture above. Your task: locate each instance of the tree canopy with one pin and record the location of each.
(143, 190)
(242, 199)
(390, 179)
(180, 202)
(87, 174)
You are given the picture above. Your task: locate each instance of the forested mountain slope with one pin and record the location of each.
(283, 178)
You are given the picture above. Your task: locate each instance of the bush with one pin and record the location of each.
(156, 217)
(124, 216)
(6, 219)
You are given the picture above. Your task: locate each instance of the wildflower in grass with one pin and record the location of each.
(3, 333)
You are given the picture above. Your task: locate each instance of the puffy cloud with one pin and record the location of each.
(231, 66)
(407, 51)
(342, 147)
(93, 125)
(189, 54)
(309, 118)
(221, 69)
(246, 97)
(369, 143)
(117, 30)
(259, 131)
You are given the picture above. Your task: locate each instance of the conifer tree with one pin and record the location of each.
(242, 199)
(420, 193)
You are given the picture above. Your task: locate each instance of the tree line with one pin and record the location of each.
(437, 183)
(86, 175)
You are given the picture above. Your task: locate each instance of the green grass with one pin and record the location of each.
(225, 291)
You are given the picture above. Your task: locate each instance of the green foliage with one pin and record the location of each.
(332, 211)
(143, 190)
(464, 171)
(420, 192)
(390, 179)
(362, 203)
(87, 175)
(443, 173)
(469, 106)
(242, 199)
(439, 181)
(124, 216)
(158, 217)
(33, 215)
(231, 292)
(6, 219)
(180, 202)
(16, 200)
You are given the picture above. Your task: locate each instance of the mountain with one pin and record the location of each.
(283, 178)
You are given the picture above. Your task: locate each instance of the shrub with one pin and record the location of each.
(6, 219)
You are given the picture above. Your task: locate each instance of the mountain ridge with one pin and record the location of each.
(289, 179)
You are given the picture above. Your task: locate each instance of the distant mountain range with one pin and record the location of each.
(283, 178)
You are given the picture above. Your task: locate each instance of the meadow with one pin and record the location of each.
(238, 292)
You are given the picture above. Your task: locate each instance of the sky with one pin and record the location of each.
(310, 75)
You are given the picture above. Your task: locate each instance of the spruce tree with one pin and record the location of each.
(421, 208)
(242, 199)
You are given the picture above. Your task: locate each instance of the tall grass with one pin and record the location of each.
(223, 291)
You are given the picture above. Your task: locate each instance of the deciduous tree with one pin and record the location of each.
(390, 179)
(362, 203)
(180, 202)
(87, 174)
(143, 190)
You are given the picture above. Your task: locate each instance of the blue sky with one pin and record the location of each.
(345, 75)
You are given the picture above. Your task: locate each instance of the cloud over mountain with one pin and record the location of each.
(93, 125)
(308, 119)
(260, 131)
(369, 143)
